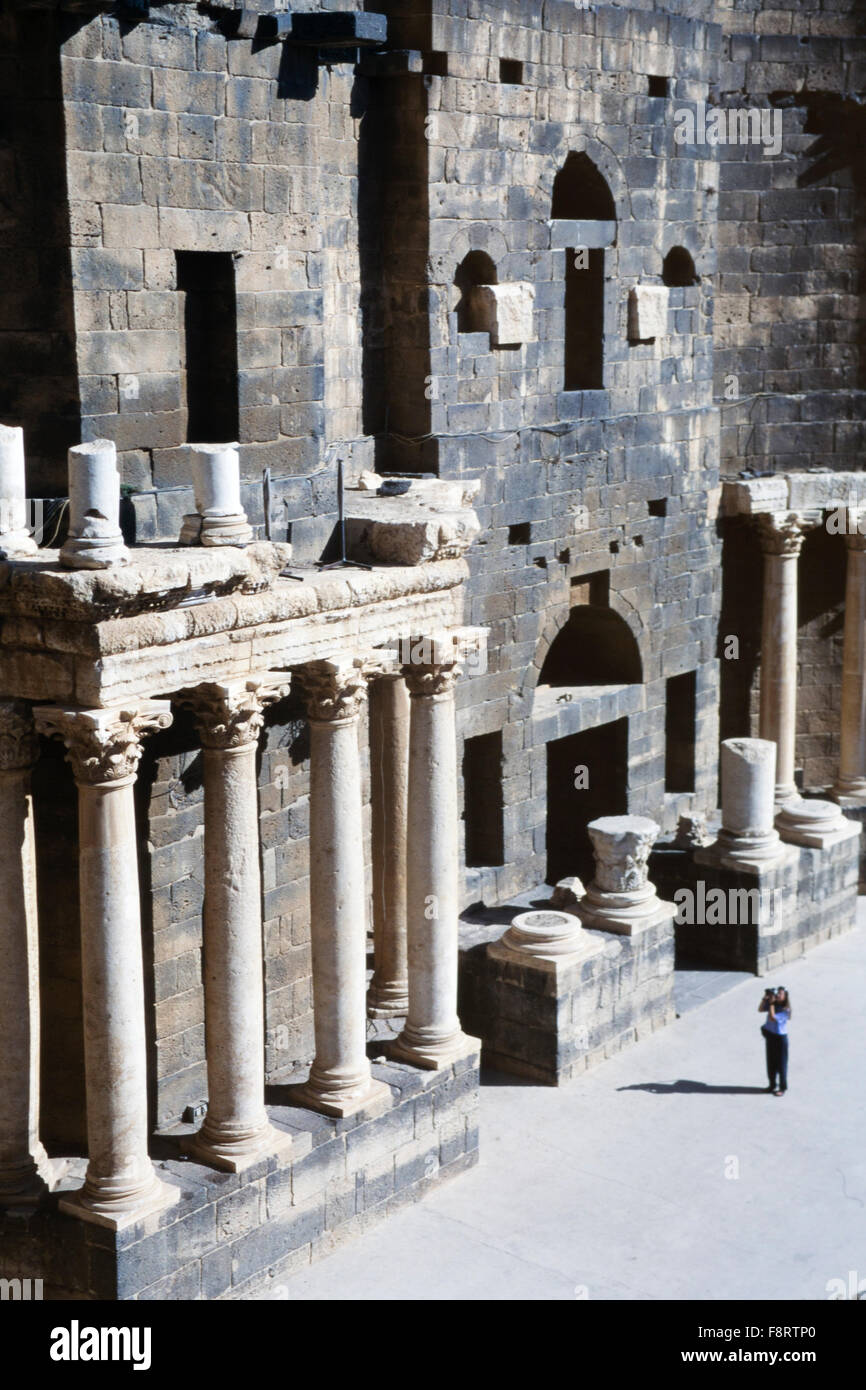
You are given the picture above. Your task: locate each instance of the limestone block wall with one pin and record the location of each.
(790, 248)
(618, 481)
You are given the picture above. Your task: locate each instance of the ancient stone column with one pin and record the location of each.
(15, 539)
(747, 837)
(781, 536)
(851, 781)
(340, 1082)
(389, 793)
(24, 1168)
(219, 518)
(620, 897)
(432, 1036)
(104, 748)
(236, 1131)
(94, 540)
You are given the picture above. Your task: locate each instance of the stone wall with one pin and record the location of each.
(620, 481)
(788, 340)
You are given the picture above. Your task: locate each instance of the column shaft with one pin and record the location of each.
(236, 1132)
(113, 987)
(389, 794)
(340, 1081)
(120, 1185)
(851, 781)
(24, 1169)
(432, 1036)
(781, 538)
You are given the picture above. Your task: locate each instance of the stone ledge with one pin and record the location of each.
(229, 1232)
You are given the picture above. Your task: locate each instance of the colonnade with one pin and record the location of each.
(781, 536)
(415, 917)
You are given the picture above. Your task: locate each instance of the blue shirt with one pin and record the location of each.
(779, 1024)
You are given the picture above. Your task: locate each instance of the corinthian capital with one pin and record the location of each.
(230, 714)
(333, 689)
(781, 533)
(19, 747)
(103, 745)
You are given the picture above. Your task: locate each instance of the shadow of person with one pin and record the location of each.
(696, 1088)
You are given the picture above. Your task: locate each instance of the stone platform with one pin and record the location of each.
(816, 890)
(552, 1020)
(234, 1235)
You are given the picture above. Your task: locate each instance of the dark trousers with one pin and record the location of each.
(777, 1060)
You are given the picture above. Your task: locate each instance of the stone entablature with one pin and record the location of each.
(52, 651)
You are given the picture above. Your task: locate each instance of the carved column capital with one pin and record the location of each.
(103, 745)
(19, 746)
(230, 714)
(782, 533)
(433, 664)
(333, 690)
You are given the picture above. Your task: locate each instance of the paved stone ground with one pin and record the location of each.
(616, 1187)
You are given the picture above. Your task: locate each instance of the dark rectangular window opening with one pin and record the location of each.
(584, 319)
(592, 589)
(520, 534)
(658, 506)
(511, 70)
(435, 64)
(482, 801)
(209, 364)
(680, 732)
(658, 86)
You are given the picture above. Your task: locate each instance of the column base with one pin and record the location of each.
(387, 1001)
(116, 1215)
(849, 794)
(784, 793)
(754, 853)
(14, 543)
(93, 552)
(433, 1056)
(373, 1095)
(815, 824)
(235, 1156)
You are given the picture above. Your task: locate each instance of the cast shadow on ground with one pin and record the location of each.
(688, 1088)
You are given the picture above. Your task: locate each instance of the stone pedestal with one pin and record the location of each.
(747, 839)
(817, 824)
(544, 935)
(103, 746)
(25, 1172)
(15, 539)
(340, 1081)
(620, 897)
(388, 995)
(850, 789)
(432, 1037)
(219, 518)
(94, 540)
(236, 1132)
(781, 536)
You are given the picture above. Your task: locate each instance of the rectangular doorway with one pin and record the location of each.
(587, 777)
